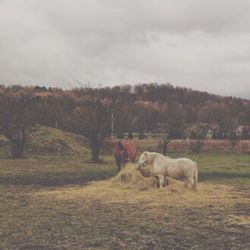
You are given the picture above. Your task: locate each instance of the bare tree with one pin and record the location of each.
(16, 115)
(92, 117)
(165, 137)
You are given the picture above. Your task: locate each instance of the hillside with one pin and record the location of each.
(50, 141)
(47, 140)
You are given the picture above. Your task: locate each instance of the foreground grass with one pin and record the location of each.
(66, 203)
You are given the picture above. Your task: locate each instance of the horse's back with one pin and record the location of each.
(187, 161)
(179, 167)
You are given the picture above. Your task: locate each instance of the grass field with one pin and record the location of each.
(67, 203)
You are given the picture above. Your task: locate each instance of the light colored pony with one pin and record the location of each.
(163, 166)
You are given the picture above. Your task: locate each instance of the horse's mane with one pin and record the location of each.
(155, 154)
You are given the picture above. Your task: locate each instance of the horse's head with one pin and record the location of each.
(143, 159)
(123, 152)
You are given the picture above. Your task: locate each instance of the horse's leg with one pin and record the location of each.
(119, 167)
(118, 163)
(161, 181)
(165, 181)
(191, 181)
(186, 182)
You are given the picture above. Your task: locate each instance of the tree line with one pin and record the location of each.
(154, 108)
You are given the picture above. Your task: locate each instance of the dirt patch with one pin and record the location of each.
(241, 220)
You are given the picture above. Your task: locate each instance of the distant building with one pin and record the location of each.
(212, 131)
(242, 130)
(202, 130)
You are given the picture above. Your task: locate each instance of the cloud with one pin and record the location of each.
(195, 43)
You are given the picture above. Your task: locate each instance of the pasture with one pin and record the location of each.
(55, 202)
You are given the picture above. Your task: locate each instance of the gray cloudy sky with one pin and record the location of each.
(200, 44)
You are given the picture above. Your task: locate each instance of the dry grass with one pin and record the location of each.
(183, 146)
(111, 192)
(140, 219)
(66, 203)
(242, 220)
(135, 177)
(142, 179)
(47, 140)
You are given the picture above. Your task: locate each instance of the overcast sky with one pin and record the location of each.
(202, 44)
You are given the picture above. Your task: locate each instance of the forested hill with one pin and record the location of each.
(164, 93)
(140, 108)
(101, 112)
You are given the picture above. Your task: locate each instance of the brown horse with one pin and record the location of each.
(124, 152)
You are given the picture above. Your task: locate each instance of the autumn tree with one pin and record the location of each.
(55, 108)
(92, 118)
(17, 114)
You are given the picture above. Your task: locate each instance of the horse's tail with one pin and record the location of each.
(195, 176)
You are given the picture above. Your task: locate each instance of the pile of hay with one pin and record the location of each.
(142, 179)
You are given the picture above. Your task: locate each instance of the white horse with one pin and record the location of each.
(163, 166)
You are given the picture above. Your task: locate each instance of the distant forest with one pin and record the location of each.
(98, 113)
